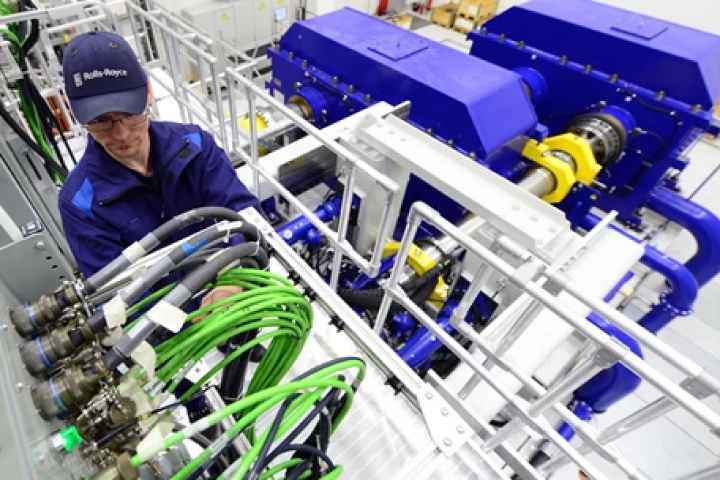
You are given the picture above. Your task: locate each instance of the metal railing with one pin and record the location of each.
(607, 352)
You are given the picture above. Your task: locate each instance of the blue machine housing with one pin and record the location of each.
(345, 60)
(593, 58)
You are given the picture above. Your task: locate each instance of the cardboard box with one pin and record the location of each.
(444, 15)
(476, 9)
(402, 21)
(466, 25)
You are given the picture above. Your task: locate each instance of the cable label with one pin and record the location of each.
(115, 314)
(167, 315)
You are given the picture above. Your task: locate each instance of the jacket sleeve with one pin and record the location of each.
(93, 243)
(220, 184)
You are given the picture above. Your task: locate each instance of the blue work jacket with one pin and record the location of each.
(105, 206)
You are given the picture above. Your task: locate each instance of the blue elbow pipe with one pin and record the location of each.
(700, 222)
(683, 292)
(295, 230)
(614, 383)
(423, 343)
(581, 410)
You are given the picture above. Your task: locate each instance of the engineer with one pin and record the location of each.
(136, 173)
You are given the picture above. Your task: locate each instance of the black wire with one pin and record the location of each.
(296, 447)
(49, 161)
(255, 471)
(329, 398)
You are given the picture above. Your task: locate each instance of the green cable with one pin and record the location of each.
(280, 467)
(292, 416)
(238, 427)
(212, 419)
(335, 473)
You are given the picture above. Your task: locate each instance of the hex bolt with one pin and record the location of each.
(19, 386)
(305, 63)
(291, 55)
(429, 131)
(614, 78)
(563, 60)
(368, 98)
(298, 85)
(472, 155)
(450, 143)
(447, 442)
(4, 327)
(429, 395)
(41, 458)
(660, 95)
(40, 245)
(588, 68)
(351, 88)
(444, 412)
(335, 80)
(460, 429)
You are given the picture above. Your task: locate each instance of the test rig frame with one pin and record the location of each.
(451, 422)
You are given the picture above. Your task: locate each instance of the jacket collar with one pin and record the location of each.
(112, 179)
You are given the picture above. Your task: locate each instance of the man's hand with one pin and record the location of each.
(215, 295)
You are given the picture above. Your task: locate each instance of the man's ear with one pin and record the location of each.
(150, 93)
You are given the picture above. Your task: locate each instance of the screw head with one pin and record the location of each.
(41, 458)
(428, 395)
(460, 429)
(447, 442)
(40, 246)
(516, 207)
(4, 327)
(444, 412)
(19, 386)
(534, 218)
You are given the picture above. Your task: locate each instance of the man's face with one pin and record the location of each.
(123, 136)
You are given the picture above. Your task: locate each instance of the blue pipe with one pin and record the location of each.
(700, 222)
(423, 343)
(581, 410)
(683, 292)
(295, 230)
(612, 384)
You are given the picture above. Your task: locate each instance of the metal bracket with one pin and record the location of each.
(610, 353)
(447, 429)
(697, 387)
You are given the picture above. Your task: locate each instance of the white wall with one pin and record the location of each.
(700, 14)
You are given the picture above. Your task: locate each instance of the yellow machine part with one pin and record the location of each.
(260, 125)
(586, 168)
(421, 262)
(565, 177)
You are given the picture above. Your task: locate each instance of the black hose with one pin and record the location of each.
(49, 161)
(150, 241)
(233, 377)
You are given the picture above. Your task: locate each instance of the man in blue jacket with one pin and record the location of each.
(135, 173)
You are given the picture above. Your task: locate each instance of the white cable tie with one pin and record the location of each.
(197, 427)
(115, 313)
(167, 315)
(228, 227)
(218, 445)
(158, 388)
(154, 439)
(134, 252)
(145, 356)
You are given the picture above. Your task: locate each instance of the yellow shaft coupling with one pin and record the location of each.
(260, 125)
(585, 171)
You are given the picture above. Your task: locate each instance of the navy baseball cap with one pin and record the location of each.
(102, 75)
